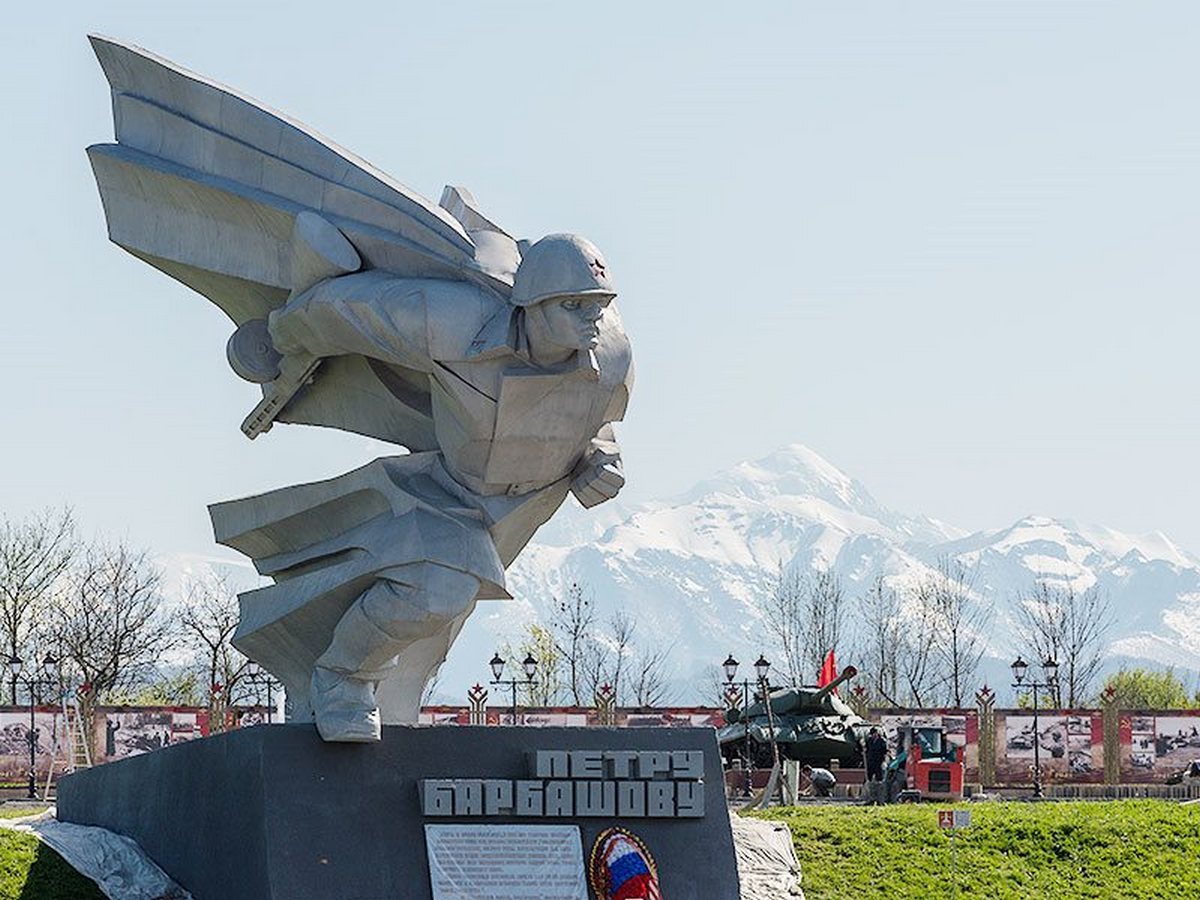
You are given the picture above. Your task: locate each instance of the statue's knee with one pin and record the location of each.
(450, 593)
(420, 593)
(386, 601)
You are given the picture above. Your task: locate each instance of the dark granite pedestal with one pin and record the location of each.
(273, 813)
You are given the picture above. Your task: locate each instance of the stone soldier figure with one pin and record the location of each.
(500, 365)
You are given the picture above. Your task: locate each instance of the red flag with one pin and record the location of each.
(828, 671)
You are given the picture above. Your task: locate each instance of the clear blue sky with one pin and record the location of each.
(950, 246)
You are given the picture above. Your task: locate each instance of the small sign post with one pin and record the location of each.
(951, 820)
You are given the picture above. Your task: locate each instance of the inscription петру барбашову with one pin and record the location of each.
(580, 784)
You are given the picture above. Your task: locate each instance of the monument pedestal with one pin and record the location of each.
(274, 813)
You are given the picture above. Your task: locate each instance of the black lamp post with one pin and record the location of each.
(258, 675)
(1050, 682)
(50, 668)
(762, 669)
(14, 666)
(529, 664)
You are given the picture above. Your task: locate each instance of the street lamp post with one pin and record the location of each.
(1050, 682)
(50, 668)
(14, 666)
(258, 675)
(761, 668)
(529, 664)
(217, 718)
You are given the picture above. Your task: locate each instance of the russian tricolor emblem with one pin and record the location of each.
(621, 868)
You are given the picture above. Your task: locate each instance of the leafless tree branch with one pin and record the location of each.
(35, 555)
(1060, 623)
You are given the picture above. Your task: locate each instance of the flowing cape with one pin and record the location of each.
(205, 184)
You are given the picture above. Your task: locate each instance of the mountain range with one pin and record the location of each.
(694, 570)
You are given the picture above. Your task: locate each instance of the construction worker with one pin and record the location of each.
(820, 781)
(876, 753)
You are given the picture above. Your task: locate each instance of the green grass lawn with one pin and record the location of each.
(29, 870)
(1136, 849)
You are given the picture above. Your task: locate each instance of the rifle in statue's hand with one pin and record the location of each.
(319, 251)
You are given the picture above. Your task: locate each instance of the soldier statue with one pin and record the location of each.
(498, 364)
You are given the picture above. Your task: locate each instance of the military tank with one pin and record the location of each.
(812, 725)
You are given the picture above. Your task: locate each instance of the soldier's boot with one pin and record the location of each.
(388, 617)
(342, 692)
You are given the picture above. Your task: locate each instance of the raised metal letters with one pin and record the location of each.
(581, 784)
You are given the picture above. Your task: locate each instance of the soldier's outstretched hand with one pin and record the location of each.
(599, 477)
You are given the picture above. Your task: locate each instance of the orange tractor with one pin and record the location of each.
(926, 767)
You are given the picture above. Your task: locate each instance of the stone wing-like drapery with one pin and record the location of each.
(206, 184)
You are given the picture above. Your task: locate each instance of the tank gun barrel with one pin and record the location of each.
(847, 673)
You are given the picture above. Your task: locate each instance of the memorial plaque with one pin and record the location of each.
(505, 862)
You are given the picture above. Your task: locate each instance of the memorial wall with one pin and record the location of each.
(1071, 742)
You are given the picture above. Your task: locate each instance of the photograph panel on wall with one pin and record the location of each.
(1063, 742)
(14, 744)
(248, 717)
(185, 726)
(1080, 750)
(1051, 737)
(130, 732)
(133, 733)
(1142, 744)
(1176, 740)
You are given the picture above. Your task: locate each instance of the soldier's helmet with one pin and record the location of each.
(561, 265)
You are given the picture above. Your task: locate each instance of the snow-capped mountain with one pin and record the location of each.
(694, 570)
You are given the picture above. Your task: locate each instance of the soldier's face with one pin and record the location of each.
(573, 322)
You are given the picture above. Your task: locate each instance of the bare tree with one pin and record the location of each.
(575, 657)
(883, 642)
(923, 640)
(649, 676)
(960, 619)
(711, 685)
(621, 627)
(572, 627)
(609, 659)
(208, 621)
(111, 626)
(1059, 623)
(805, 616)
(784, 615)
(826, 617)
(34, 557)
(916, 640)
